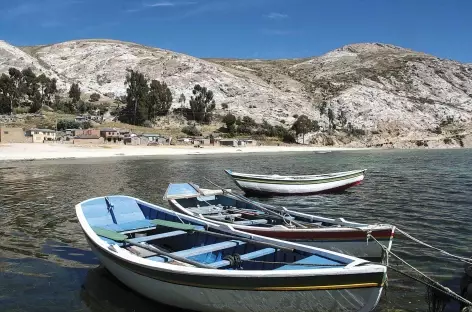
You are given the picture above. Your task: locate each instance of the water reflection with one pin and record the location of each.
(426, 193)
(101, 291)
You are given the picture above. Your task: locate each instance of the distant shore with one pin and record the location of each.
(41, 151)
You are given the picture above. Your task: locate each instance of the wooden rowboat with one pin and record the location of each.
(257, 184)
(223, 207)
(192, 264)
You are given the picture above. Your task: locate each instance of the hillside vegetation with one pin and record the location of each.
(360, 94)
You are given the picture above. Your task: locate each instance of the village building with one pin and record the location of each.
(13, 135)
(229, 142)
(41, 135)
(111, 135)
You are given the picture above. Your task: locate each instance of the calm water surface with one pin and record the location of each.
(46, 265)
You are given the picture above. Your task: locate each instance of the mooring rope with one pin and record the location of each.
(463, 259)
(434, 284)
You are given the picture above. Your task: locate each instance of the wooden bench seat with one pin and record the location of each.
(156, 236)
(248, 256)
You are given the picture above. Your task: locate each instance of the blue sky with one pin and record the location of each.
(246, 28)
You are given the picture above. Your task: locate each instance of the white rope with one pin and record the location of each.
(463, 259)
(435, 284)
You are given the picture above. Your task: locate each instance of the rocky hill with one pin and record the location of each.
(377, 87)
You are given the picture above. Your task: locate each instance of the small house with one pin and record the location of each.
(247, 142)
(229, 142)
(87, 139)
(89, 132)
(111, 135)
(41, 135)
(13, 135)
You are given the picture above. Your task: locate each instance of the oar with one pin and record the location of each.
(244, 199)
(190, 227)
(118, 237)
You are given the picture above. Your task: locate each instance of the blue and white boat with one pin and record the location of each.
(192, 264)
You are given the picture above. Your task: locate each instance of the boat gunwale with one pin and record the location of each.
(131, 258)
(294, 178)
(346, 229)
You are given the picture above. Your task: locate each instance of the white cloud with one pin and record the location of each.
(161, 4)
(275, 15)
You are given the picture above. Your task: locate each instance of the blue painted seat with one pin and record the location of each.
(314, 259)
(156, 236)
(248, 256)
(207, 249)
(205, 252)
(130, 227)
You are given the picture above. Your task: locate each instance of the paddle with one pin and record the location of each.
(118, 237)
(190, 227)
(244, 199)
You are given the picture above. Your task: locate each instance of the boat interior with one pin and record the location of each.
(228, 209)
(116, 217)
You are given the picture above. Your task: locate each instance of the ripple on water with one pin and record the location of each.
(47, 262)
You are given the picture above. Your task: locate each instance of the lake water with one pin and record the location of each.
(46, 265)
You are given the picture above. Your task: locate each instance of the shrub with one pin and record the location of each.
(147, 124)
(437, 130)
(224, 105)
(447, 141)
(64, 124)
(289, 137)
(94, 97)
(191, 130)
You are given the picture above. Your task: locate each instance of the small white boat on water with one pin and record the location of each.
(226, 207)
(258, 184)
(197, 265)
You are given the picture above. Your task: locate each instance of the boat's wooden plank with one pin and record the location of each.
(248, 256)
(144, 253)
(207, 249)
(251, 222)
(110, 234)
(156, 236)
(206, 210)
(174, 225)
(222, 217)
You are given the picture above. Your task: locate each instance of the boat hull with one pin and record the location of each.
(271, 187)
(352, 242)
(219, 300)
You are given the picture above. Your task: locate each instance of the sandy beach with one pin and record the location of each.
(30, 151)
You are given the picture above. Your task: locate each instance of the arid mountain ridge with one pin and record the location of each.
(376, 86)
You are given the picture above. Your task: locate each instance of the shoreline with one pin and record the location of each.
(45, 151)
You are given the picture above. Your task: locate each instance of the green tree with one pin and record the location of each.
(331, 119)
(159, 99)
(74, 92)
(16, 78)
(302, 125)
(7, 94)
(136, 97)
(46, 89)
(315, 125)
(94, 97)
(342, 118)
(230, 121)
(182, 100)
(246, 125)
(202, 103)
(323, 108)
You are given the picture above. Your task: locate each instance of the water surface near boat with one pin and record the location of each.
(46, 262)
